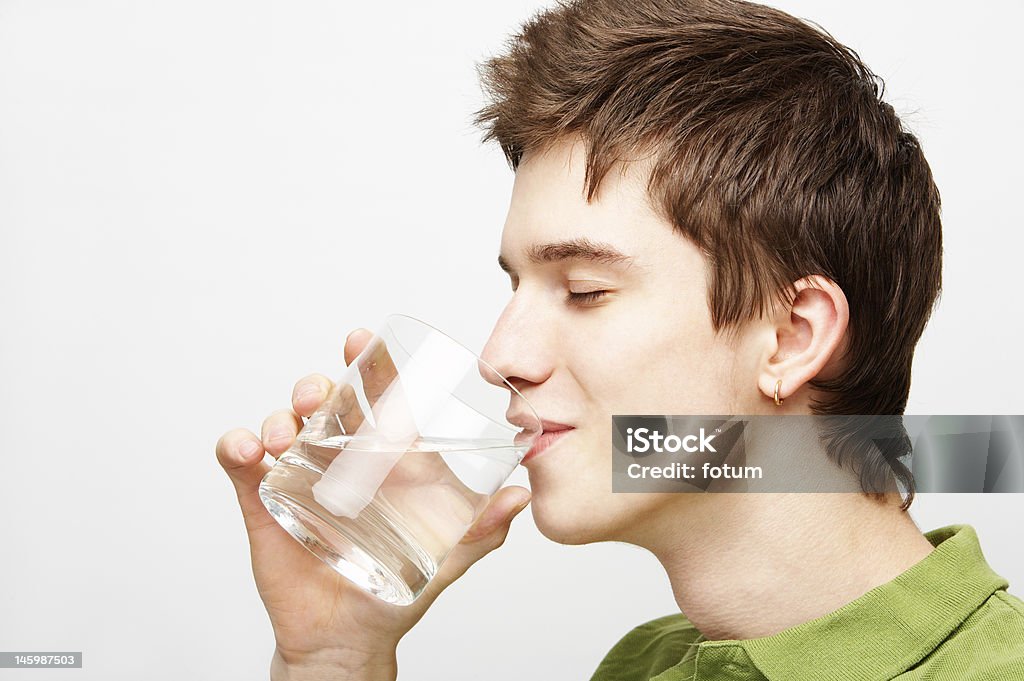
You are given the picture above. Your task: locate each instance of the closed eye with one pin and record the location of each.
(584, 298)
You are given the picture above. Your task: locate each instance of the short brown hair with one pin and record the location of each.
(772, 151)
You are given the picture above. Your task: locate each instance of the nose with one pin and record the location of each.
(518, 348)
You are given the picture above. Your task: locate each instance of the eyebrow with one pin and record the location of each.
(579, 248)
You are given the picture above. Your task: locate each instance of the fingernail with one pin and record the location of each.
(278, 435)
(306, 391)
(248, 449)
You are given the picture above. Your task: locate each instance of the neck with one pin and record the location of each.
(773, 561)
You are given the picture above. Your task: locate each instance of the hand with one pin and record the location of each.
(321, 621)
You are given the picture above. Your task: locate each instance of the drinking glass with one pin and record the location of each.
(386, 477)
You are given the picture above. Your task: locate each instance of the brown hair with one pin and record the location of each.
(772, 151)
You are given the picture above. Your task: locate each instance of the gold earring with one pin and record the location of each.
(778, 385)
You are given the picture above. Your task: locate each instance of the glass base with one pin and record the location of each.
(387, 572)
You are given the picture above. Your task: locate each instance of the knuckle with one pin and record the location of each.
(498, 539)
(347, 399)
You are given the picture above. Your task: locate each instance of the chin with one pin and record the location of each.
(563, 519)
(571, 502)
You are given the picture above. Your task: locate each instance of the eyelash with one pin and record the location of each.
(584, 298)
(578, 299)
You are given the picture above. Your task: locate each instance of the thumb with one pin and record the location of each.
(240, 453)
(486, 534)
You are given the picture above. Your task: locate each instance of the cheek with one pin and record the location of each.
(661, 365)
(653, 351)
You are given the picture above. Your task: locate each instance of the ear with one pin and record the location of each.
(809, 337)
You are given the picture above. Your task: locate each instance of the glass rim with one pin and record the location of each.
(398, 315)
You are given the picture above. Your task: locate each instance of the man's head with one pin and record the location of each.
(772, 221)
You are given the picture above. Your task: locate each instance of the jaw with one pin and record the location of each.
(572, 499)
(574, 513)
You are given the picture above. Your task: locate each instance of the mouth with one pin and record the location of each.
(551, 432)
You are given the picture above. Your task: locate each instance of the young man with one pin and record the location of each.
(713, 213)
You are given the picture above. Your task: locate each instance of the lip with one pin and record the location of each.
(550, 434)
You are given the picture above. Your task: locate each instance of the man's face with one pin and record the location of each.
(643, 345)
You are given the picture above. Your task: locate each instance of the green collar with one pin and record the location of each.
(888, 629)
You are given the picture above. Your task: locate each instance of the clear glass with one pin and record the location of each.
(384, 480)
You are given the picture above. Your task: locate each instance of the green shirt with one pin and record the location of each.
(947, 617)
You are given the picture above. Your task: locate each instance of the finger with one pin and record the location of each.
(505, 505)
(389, 403)
(279, 430)
(331, 409)
(309, 393)
(240, 454)
(355, 343)
(339, 414)
(376, 369)
(487, 533)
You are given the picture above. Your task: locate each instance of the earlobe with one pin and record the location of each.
(774, 391)
(808, 338)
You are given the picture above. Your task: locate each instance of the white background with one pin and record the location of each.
(198, 200)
